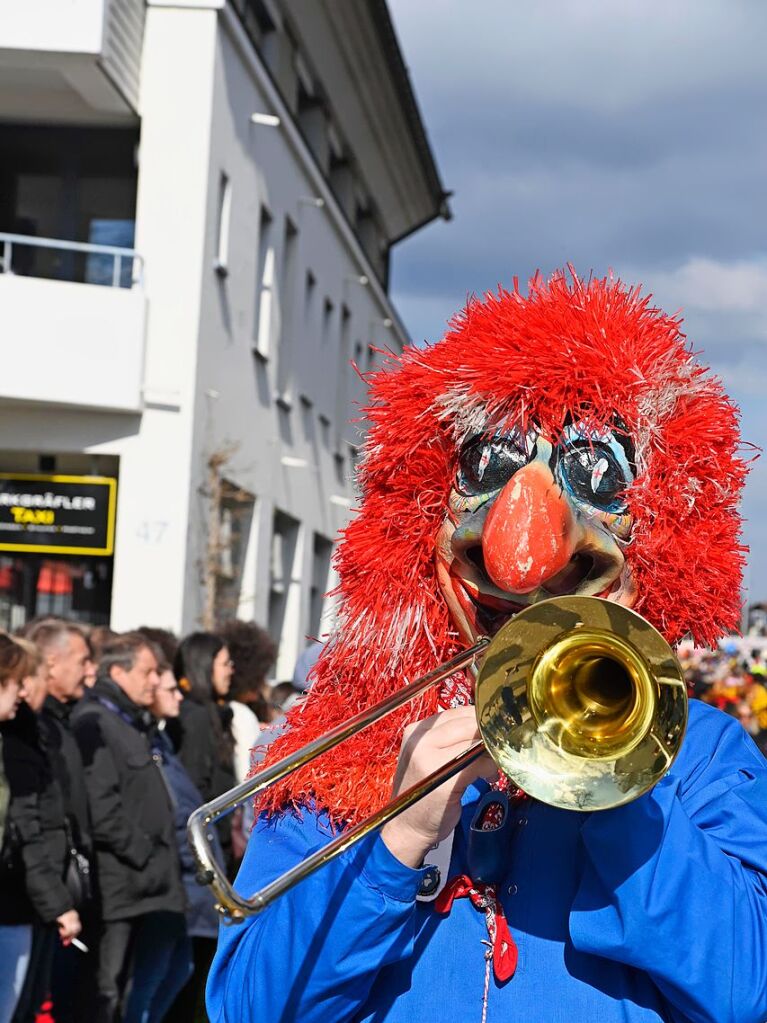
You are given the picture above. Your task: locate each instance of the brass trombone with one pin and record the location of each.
(579, 701)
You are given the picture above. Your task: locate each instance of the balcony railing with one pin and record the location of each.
(108, 265)
(72, 345)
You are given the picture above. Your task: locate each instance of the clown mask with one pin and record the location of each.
(530, 518)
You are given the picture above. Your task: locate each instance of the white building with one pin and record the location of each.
(247, 164)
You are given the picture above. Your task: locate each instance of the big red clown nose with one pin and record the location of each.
(529, 532)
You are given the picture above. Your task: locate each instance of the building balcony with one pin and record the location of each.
(74, 324)
(74, 61)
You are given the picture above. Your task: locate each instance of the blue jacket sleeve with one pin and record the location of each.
(675, 883)
(314, 954)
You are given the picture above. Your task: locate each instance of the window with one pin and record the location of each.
(279, 563)
(287, 306)
(264, 285)
(73, 184)
(312, 118)
(343, 411)
(221, 262)
(327, 320)
(235, 521)
(324, 422)
(310, 290)
(289, 258)
(285, 590)
(342, 183)
(102, 269)
(256, 17)
(322, 550)
(371, 237)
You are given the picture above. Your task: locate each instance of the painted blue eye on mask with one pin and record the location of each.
(488, 463)
(594, 469)
(592, 475)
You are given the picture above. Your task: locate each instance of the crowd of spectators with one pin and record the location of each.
(734, 679)
(109, 741)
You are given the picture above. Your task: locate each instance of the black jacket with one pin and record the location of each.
(130, 807)
(208, 757)
(34, 853)
(199, 748)
(67, 767)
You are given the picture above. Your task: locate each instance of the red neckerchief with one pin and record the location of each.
(484, 897)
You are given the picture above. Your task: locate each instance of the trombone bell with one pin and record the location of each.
(581, 702)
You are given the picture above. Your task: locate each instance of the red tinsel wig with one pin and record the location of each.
(591, 350)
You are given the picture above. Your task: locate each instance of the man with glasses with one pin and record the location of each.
(132, 816)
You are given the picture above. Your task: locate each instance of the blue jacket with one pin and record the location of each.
(652, 911)
(201, 916)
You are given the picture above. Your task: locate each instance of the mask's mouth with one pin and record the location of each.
(582, 567)
(489, 621)
(489, 612)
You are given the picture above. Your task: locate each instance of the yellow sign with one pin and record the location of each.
(57, 514)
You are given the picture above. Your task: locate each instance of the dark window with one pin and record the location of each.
(69, 184)
(321, 553)
(283, 570)
(235, 521)
(287, 300)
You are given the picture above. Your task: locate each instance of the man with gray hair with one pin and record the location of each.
(130, 807)
(66, 654)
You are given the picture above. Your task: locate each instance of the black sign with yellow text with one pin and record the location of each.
(57, 514)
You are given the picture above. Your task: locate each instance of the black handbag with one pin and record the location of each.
(77, 873)
(11, 865)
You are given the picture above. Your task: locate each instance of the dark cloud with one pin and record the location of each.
(630, 137)
(533, 134)
(554, 192)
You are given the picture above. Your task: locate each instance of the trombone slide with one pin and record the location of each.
(231, 905)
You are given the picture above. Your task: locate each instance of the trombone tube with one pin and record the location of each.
(233, 906)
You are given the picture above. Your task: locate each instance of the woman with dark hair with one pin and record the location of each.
(254, 652)
(202, 733)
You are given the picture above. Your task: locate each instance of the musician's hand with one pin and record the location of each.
(426, 746)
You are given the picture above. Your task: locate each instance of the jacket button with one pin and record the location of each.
(430, 880)
(513, 889)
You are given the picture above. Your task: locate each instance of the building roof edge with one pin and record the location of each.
(387, 34)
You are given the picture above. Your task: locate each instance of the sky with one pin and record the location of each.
(626, 136)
